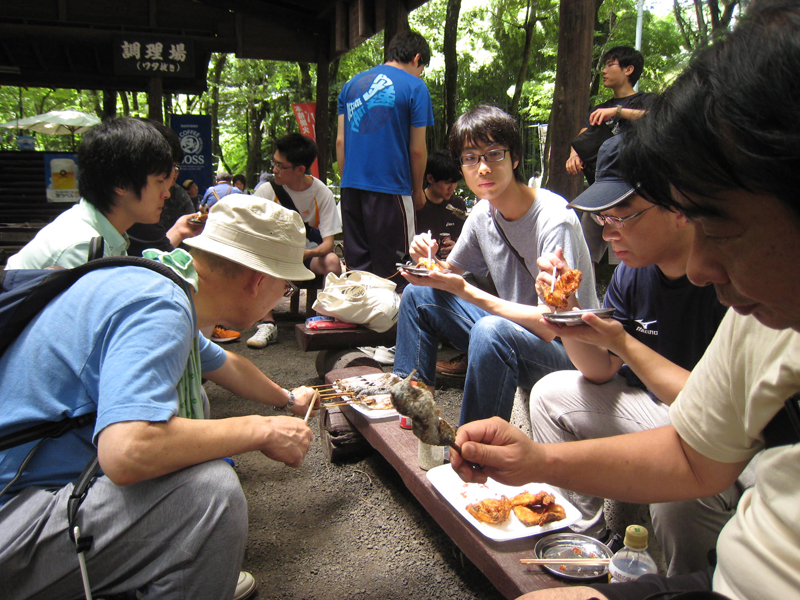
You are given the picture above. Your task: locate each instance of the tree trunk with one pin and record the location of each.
(126, 108)
(254, 151)
(570, 97)
(522, 75)
(450, 67)
(213, 109)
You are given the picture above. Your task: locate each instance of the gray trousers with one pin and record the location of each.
(566, 407)
(178, 536)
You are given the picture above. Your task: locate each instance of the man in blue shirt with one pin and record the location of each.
(166, 515)
(223, 188)
(380, 148)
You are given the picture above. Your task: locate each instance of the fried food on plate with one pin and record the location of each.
(566, 285)
(429, 264)
(490, 510)
(539, 515)
(528, 499)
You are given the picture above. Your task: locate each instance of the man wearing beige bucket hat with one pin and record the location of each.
(167, 517)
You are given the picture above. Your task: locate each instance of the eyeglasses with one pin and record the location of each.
(290, 289)
(280, 167)
(470, 160)
(617, 222)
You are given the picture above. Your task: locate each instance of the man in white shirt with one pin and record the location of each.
(296, 189)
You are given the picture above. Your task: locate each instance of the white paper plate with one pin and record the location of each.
(460, 494)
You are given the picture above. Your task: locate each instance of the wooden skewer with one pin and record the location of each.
(322, 385)
(565, 561)
(344, 403)
(455, 447)
(311, 406)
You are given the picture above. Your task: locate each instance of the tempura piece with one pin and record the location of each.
(565, 286)
(491, 510)
(417, 403)
(537, 509)
(528, 499)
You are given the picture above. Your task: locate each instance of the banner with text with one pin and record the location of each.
(306, 115)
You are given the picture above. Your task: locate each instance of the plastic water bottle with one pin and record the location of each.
(633, 560)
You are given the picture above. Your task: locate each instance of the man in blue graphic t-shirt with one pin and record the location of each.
(380, 147)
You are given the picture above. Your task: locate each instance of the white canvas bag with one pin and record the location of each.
(359, 297)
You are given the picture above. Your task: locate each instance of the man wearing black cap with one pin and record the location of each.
(661, 327)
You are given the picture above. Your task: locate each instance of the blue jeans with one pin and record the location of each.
(502, 354)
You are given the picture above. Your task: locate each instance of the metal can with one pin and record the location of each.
(405, 422)
(442, 238)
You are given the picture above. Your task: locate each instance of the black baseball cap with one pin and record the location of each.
(609, 188)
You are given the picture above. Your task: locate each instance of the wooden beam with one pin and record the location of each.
(323, 117)
(155, 91)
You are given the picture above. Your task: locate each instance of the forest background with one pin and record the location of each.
(499, 52)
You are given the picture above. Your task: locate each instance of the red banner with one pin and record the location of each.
(306, 115)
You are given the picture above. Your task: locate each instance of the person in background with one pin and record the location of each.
(216, 192)
(167, 517)
(381, 152)
(240, 182)
(622, 67)
(718, 149)
(194, 192)
(296, 189)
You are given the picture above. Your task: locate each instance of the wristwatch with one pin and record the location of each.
(290, 393)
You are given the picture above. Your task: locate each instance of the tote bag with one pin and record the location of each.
(360, 297)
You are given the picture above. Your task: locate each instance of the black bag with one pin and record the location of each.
(587, 145)
(312, 233)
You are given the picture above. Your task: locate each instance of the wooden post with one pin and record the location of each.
(155, 93)
(571, 94)
(323, 118)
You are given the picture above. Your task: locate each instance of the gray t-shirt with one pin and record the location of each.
(548, 225)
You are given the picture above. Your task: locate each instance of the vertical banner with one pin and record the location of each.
(61, 177)
(306, 115)
(194, 132)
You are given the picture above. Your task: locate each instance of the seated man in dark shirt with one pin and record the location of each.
(443, 213)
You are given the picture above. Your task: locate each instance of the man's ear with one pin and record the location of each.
(628, 71)
(253, 283)
(429, 178)
(416, 60)
(681, 221)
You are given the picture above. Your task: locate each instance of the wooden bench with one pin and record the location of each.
(499, 561)
(338, 348)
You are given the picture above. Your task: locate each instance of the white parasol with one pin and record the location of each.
(56, 122)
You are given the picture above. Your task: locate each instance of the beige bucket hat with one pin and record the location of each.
(260, 235)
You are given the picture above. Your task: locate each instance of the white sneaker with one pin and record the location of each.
(368, 350)
(384, 355)
(266, 333)
(245, 586)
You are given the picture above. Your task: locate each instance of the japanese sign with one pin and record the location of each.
(306, 115)
(61, 171)
(153, 56)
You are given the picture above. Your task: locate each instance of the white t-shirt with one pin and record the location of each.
(743, 379)
(547, 225)
(316, 205)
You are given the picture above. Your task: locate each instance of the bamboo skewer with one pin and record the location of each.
(565, 561)
(311, 406)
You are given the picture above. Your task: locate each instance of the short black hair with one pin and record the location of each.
(488, 125)
(442, 167)
(627, 57)
(172, 139)
(716, 128)
(406, 45)
(120, 152)
(240, 177)
(299, 149)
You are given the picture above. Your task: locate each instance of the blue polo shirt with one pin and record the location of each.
(116, 342)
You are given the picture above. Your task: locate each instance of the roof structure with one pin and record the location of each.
(77, 43)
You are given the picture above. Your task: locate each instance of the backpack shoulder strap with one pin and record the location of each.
(96, 248)
(283, 197)
(784, 428)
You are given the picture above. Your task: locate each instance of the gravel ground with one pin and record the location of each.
(348, 530)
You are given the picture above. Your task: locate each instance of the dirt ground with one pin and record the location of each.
(346, 531)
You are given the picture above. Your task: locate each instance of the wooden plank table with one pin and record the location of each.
(499, 561)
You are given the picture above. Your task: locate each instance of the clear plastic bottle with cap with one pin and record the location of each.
(633, 560)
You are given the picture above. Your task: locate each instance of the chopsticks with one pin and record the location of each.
(565, 561)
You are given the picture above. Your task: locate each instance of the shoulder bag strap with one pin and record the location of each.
(784, 428)
(96, 248)
(502, 233)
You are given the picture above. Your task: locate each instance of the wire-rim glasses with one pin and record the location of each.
(617, 222)
(470, 160)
